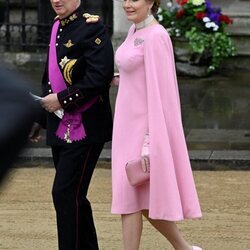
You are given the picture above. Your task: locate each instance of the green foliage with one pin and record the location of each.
(217, 46)
(203, 26)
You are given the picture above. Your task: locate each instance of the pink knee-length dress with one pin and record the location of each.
(148, 101)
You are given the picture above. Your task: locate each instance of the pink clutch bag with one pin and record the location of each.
(138, 171)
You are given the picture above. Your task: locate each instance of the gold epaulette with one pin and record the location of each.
(91, 18)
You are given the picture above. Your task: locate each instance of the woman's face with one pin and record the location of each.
(137, 10)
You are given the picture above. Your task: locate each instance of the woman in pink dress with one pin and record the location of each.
(148, 102)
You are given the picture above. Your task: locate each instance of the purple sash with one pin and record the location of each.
(70, 127)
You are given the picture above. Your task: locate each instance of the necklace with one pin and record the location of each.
(144, 23)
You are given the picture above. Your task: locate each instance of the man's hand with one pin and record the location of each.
(51, 103)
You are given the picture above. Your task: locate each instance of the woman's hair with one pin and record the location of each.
(155, 6)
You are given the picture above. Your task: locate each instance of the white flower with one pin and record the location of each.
(208, 25)
(169, 4)
(212, 24)
(159, 10)
(216, 27)
(160, 18)
(177, 32)
(211, 67)
(197, 2)
(206, 19)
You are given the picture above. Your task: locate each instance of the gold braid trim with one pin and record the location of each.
(67, 71)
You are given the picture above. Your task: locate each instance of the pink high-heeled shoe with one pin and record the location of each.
(196, 248)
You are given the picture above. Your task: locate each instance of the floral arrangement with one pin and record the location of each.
(203, 25)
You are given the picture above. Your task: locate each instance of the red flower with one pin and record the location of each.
(226, 19)
(182, 2)
(180, 13)
(200, 15)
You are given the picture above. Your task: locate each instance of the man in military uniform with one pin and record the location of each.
(76, 80)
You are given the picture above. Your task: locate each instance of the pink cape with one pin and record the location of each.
(148, 100)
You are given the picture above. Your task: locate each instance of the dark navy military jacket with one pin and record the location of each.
(85, 58)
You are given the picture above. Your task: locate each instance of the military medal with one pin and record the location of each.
(67, 135)
(64, 61)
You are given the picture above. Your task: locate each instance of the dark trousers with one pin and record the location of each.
(74, 168)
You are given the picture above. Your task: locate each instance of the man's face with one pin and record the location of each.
(64, 8)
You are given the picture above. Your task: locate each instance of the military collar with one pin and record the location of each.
(71, 18)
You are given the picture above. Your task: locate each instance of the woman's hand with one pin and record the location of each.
(51, 103)
(116, 79)
(35, 133)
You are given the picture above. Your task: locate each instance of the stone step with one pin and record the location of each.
(242, 43)
(241, 22)
(228, 139)
(200, 159)
(240, 30)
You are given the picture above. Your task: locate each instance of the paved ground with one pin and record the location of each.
(27, 219)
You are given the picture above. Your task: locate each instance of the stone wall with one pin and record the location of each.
(237, 9)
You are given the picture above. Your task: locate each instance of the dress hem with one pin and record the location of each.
(195, 216)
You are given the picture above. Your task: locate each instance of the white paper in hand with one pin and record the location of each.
(36, 97)
(59, 113)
